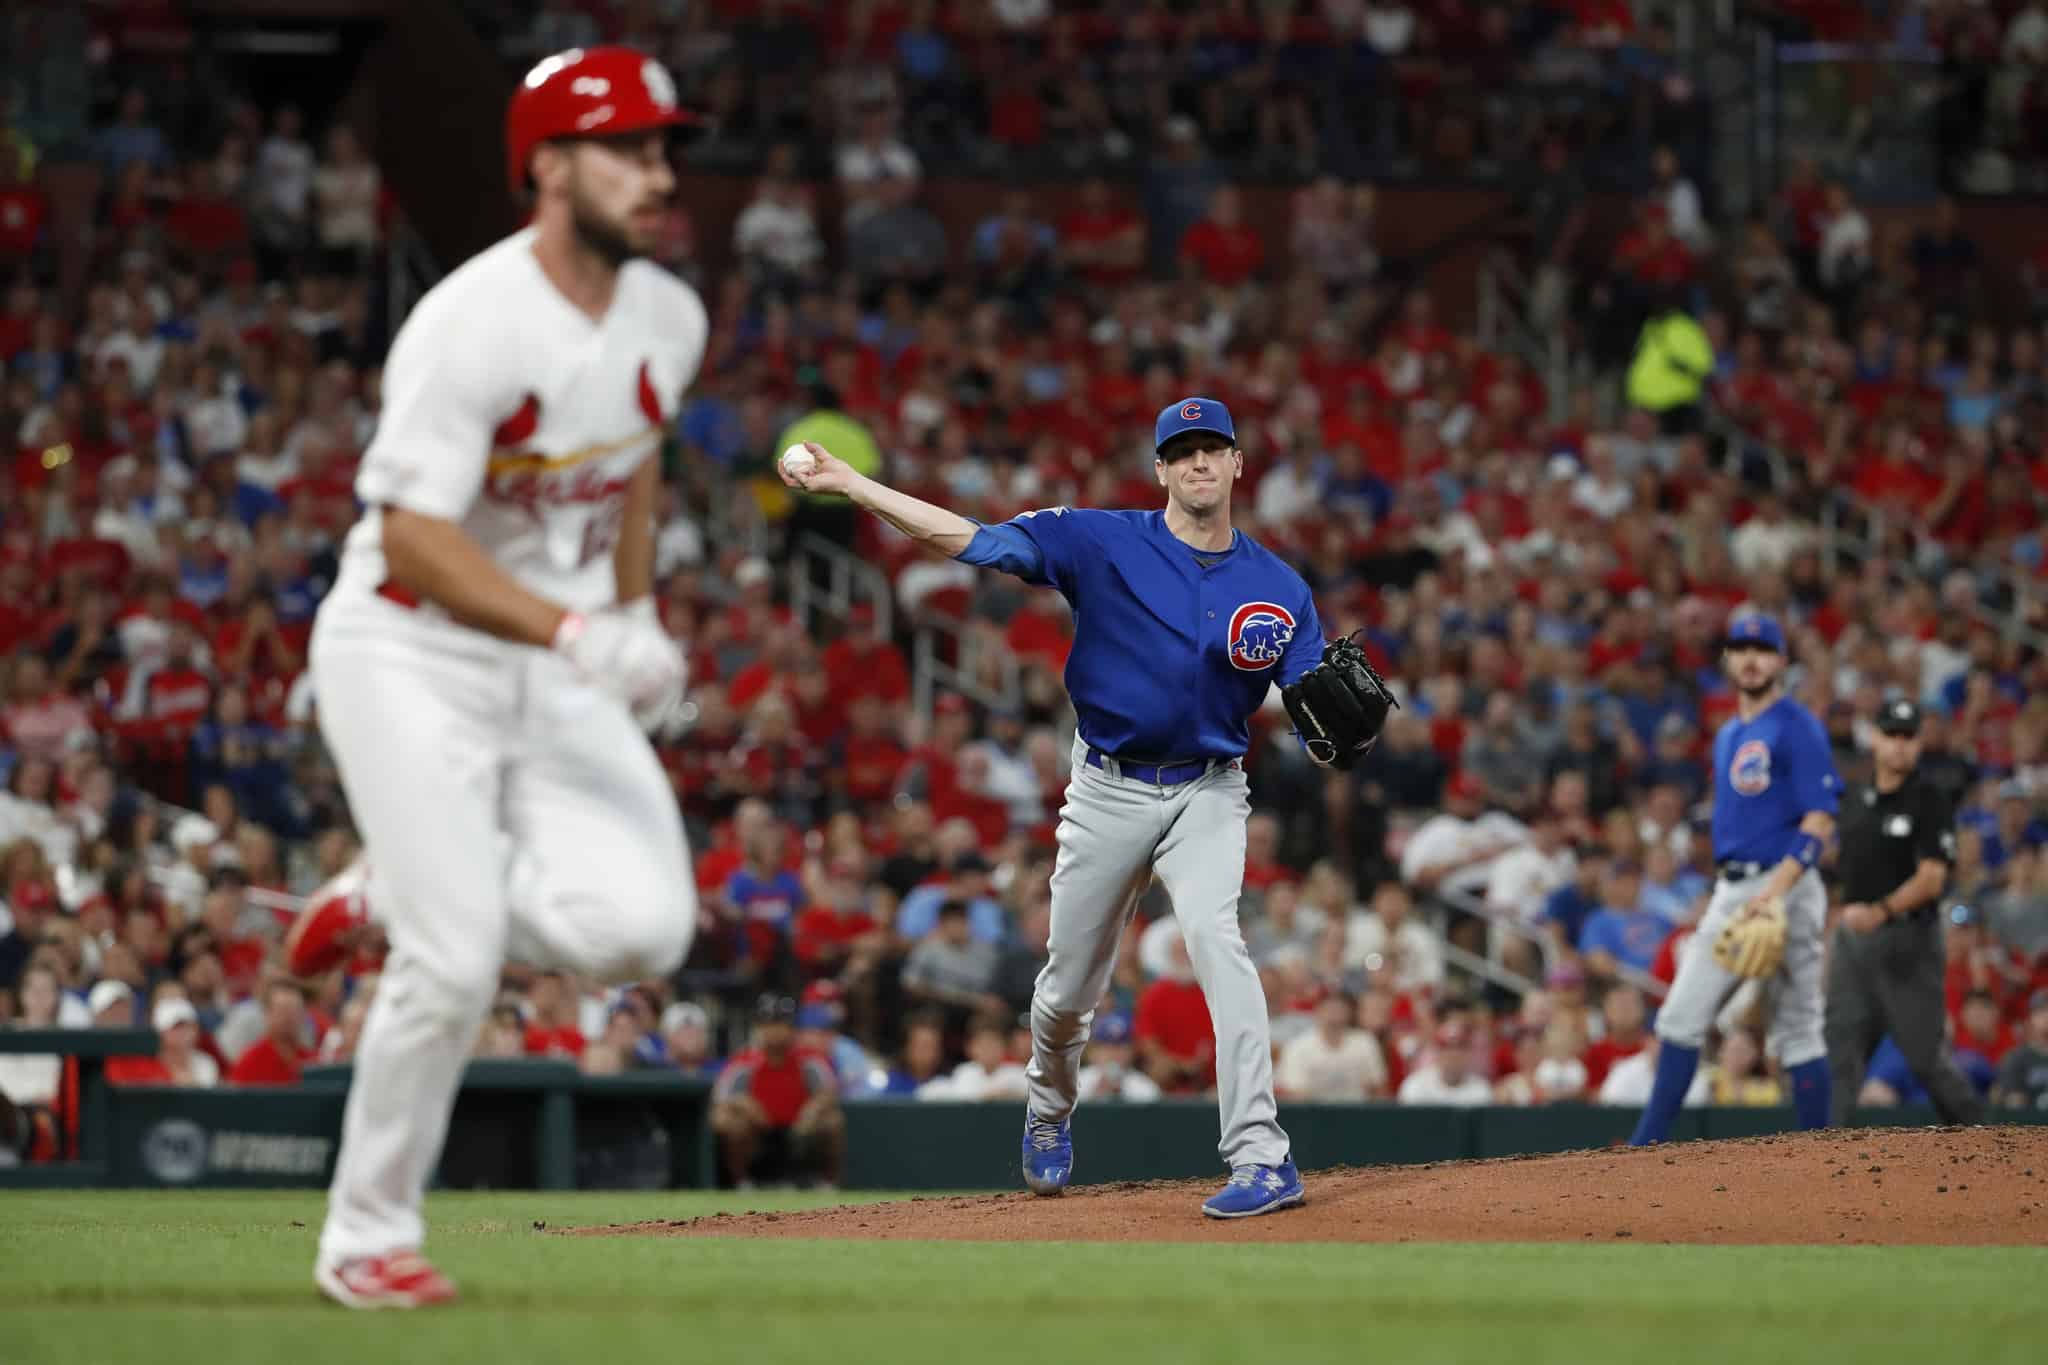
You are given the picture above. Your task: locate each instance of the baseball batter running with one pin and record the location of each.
(490, 642)
(1181, 624)
(1775, 797)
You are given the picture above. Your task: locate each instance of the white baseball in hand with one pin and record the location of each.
(798, 461)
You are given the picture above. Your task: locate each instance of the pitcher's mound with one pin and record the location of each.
(1871, 1186)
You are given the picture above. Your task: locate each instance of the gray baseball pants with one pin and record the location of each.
(1114, 834)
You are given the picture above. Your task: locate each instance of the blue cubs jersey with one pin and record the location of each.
(1768, 773)
(1174, 648)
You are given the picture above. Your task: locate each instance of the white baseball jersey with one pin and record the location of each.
(516, 415)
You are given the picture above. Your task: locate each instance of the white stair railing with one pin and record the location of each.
(848, 580)
(929, 670)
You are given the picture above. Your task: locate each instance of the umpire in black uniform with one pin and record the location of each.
(1885, 967)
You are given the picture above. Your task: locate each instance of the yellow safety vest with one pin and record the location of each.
(1672, 363)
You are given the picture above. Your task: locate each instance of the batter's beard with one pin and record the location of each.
(607, 241)
(1753, 693)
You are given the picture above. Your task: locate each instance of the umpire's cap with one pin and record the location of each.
(1755, 630)
(1899, 718)
(1192, 414)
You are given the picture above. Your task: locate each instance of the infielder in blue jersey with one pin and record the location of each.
(1775, 797)
(1181, 625)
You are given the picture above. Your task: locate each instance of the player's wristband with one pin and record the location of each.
(1806, 850)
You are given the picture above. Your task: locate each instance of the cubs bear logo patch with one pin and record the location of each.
(1749, 772)
(1259, 632)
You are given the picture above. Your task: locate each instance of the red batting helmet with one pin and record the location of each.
(587, 92)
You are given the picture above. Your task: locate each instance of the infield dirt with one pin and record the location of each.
(1868, 1186)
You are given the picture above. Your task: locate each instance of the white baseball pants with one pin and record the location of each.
(510, 811)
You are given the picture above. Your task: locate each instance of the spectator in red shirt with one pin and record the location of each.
(280, 1055)
(204, 223)
(835, 936)
(176, 695)
(1602, 23)
(241, 959)
(1651, 255)
(775, 1108)
(871, 758)
(774, 761)
(18, 324)
(1222, 248)
(179, 1059)
(552, 1029)
(1262, 865)
(1176, 1040)
(1899, 478)
(42, 719)
(1982, 1029)
(1625, 1037)
(864, 661)
(774, 670)
(1103, 240)
(938, 756)
(1420, 332)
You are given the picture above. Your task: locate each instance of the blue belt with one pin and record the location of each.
(1170, 774)
(1742, 872)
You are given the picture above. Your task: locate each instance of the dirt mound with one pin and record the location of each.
(1871, 1186)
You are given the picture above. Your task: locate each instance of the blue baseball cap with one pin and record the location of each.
(1756, 630)
(1192, 414)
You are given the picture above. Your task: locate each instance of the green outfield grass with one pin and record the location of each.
(217, 1279)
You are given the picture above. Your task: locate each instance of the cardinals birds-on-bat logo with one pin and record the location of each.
(533, 477)
(516, 430)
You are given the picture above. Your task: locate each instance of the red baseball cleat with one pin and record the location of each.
(403, 1279)
(327, 930)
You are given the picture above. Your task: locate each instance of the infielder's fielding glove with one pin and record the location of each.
(1340, 705)
(1753, 943)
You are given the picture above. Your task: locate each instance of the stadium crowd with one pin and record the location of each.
(1546, 585)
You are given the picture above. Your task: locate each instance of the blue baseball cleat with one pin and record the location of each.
(1048, 1154)
(1254, 1190)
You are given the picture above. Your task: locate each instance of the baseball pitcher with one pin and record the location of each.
(1182, 624)
(490, 640)
(1775, 797)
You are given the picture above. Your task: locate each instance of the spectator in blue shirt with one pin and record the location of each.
(1648, 695)
(133, 138)
(764, 895)
(239, 752)
(923, 1059)
(966, 881)
(1014, 228)
(686, 1040)
(2013, 827)
(1674, 761)
(1888, 1080)
(1670, 891)
(713, 425)
(818, 1028)
(1351, 486)
(1621, 933)
(1569, 907)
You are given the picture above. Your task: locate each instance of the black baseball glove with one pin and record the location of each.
(1340, 705)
